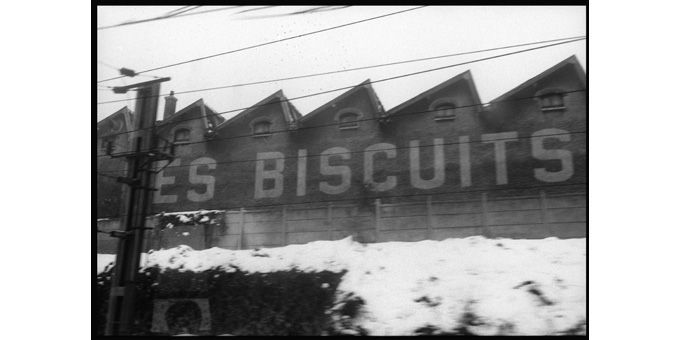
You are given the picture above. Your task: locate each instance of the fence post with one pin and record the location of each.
(377, 219)
(485, 217)
(243, 225)
(284, 231)
(159, 233)
(329, 220)
(544, 207)
(429, 218)
(208, 231)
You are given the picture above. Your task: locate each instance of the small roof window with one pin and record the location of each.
(551, 99)
(349, 120)
(262, 128)
(182, 136)
(445, 111)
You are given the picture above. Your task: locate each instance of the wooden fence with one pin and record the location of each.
(537, 216)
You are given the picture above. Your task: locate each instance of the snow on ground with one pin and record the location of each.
(513, 286)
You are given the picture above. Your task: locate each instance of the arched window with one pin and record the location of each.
(182, 136)
(108, 144)
(551, 99)
(262, 128)
(445, 111)
(349, 120)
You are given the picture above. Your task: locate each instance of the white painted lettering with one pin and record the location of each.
(499, 140)
(564, 156)
(342, 170)
(195, 178)
(464, 149)
(276, 174)
(438, 178)
(391, 181)
(302, 173)
(158, 197)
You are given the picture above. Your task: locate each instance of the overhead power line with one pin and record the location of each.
(400, 115)
(177, 15)
(269, 42)
(347, 70)
(306, 11)
(369, 82)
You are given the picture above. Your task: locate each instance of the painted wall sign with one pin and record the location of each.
(380, 167)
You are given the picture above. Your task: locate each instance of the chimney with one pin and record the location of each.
(170, 104)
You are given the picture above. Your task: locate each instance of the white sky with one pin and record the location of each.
(425, 32)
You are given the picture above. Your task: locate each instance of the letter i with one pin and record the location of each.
(302, 172)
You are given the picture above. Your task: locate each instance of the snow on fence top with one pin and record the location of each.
(518, 286)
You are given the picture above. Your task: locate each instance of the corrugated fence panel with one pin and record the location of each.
(300, 238)
(399, 223)
(228, 242)
(355, 223)
(403, 235)
(232, 217)
(522, 217)
(307, 225)
(263, 227)
(304, 214)
(567, 230)
(566, 201)
(263, 216)
(351, 211)
(530, 231)
(263, 240)
(514, 204)
(460, 232)
(514, 217)
(567, 215)
(394, 210)
(455, 207)
(456, 220)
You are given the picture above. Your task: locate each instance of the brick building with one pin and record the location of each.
(439, 165)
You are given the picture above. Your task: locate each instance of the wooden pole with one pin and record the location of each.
(329, 220)
(544, 208)
(485, 217)
(429, 218)
(284, 231)
(123, 293)
(377, 219)
(243, 226)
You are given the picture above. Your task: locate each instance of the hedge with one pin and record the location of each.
(241, 303)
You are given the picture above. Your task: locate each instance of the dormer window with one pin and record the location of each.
(108, 145)
(445, 111)
(182, 136)
(349, 120)
(262, 128)
(551, 99)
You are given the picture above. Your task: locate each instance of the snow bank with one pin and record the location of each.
(489, 285)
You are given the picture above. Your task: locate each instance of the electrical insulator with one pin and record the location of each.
(127, 72)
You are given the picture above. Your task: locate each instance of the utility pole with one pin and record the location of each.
(139, 180)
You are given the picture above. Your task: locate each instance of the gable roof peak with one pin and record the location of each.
(465, 75)
(366, 84)
(571, 60)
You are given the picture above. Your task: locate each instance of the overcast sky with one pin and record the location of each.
(421, 33)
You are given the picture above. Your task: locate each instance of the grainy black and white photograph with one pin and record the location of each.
(341, 170)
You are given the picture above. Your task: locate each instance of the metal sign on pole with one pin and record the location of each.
(121, 311)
